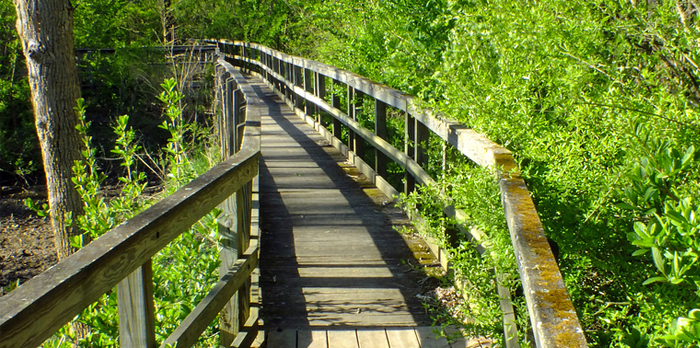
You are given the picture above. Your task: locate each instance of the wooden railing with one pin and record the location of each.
(302, 84)
(121, 257)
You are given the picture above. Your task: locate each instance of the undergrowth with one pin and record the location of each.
(184, 270)
(598, 101)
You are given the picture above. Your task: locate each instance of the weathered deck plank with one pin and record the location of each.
(334, 271)
(330, 256)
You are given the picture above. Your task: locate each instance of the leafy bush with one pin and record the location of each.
(564, 85)
(179, 282)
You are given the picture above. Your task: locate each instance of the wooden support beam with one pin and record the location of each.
(358, 144)
(309, 86)
(380, 131)
(421, 146)
(298, 81)
(319, 91)
(337, 130)
(136, 309)
(351, 115)
(409, 142)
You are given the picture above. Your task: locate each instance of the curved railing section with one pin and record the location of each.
(301, 82)
(121, 257)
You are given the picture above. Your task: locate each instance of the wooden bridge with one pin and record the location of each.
(310, 254)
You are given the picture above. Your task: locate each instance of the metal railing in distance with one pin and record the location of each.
(302, 83)
(121, 257)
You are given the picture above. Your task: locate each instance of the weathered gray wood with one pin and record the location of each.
(310, 87)
(206, 311)
(136, 309)
(548, 301)
(319, 91)
(402, 338)
(227, 229)
(312, 339)
(421, 137)
(337, 130)
(351, 114)
(380, 131)
(243, 210)
(358, 144)
(305, 206)
(298, 82)
(62, 292)
(368, 338)
(342, 339)
(409, 144)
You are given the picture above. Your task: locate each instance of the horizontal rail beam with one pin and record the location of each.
(62, 292)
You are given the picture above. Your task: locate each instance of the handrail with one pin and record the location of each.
(121, 257)
(552, 314)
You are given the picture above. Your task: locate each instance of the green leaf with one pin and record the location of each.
(654, 280)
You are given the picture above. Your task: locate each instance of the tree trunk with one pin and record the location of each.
(46, 30)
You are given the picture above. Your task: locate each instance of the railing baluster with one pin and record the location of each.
(421, 145)
(243, 204)
(409, 142)
(228, 323)
(319, 91)
(309, 87)
(358, 143)
(136, 309)
(380, 131)
(298, 81)
(337, 130)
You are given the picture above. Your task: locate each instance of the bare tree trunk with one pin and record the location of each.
(46, 30)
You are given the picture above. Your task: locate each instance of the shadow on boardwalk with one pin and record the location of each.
(330, 256)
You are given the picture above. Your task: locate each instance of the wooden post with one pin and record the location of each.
(409, 140)
(228, 323)
(298, 81)
(244, 202)
(380, 131)
(309, 87)
(354, 142)
(136, 309)
(421, 146)
(337, 130)
(319, 91)
(359, 144)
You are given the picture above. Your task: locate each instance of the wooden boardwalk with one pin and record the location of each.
(334, 272)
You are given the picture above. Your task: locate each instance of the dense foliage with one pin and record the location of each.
(597, 100)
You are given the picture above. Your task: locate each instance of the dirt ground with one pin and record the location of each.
(26, 240)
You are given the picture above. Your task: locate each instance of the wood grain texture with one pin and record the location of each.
(136, 309)
(320, 231)
(372, 338)
(342, 339)
(402, 337)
